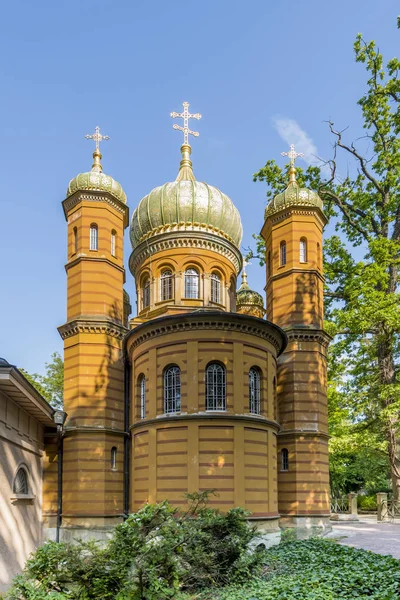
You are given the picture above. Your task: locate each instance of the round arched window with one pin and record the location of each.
(20, 485)
(191, 283)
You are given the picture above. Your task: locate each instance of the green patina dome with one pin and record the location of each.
(293, 196)
(186, 205)
(96, 180)
(246, 296)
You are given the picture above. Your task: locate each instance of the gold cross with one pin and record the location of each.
(292, 154)
(185, 115)
(97, 137)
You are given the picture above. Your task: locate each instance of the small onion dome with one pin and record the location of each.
(245, 297)
(96, 180)
(127, 298)
(186, 204)
(293, 196)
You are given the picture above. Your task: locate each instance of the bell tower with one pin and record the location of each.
(292, 231)
(93, 485)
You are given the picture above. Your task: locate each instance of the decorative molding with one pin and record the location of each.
(185, 239)
(307, 433)
(209, 416)
(81, 196)
(215, 321)
(304, 334)
(288, 211)
(284, 272)
(88, 325)
(82, 257)
(68, 431)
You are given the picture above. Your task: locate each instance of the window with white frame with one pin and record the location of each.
(303, 250)
(255, 391)
(142, 385)
(282, 253)
(94, 237)
(114, 243)
(215, 288)
(215, 387)
(146, 293)
(172, 389)
(191, 283)
(20, 485)
(167, 280)
(114, 458)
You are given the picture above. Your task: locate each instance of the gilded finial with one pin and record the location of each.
(292, 154)
(185, 170)
(97, 156)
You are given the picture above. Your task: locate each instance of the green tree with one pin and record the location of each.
(51, 384)
(362, 295)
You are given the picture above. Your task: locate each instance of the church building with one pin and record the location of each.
(204, 389)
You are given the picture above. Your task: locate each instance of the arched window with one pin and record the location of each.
(191, 283)
(114, 243)
(282, 254)
(142, 386)
(20, 485)
(146, 292)
(166, 285)
(284, 459)
(114, 458)
(303, 250)
(172, 389)
(269, 265)
(254, 391)
(75, 240)
(318, 256)
(215, 387)
(275, 399)
(94, 237)
(215, 288)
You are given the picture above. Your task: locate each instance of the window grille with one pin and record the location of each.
(191, 283)
(303, 250)
(143, 397)
(94, 237)
(166, 285)
(283, 254)
(284, 459)
(215, 288)
(172, 390)
(75, 240)
(113, 243)
(146, 293)
(21, 482)
(254, 391)
(114, 458)
(215, 387)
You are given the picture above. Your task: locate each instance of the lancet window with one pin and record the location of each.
(75, 240)
(303, 250)
(284, 459)
(94, 237)
(215, 288)
(282, 253)
(146, 293)
(172, 389)
(20, 485)
(191, 283)
(114, 458)
(215, 387)
(114, 243)
(142, 386)
(167, 280)
(254, 391)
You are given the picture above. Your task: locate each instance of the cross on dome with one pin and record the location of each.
(186, 115)
(97, 137)
(292, 154)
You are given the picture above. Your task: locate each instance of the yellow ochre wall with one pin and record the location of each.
(295, 303)
(231, 451)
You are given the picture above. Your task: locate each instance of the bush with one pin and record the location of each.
(155, 553)
(367, 502)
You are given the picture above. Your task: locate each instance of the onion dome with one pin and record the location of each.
(294, 195)
(186, 205)
(248, 300)
(97, 181)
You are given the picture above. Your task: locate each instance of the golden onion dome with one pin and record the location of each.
(186, 205)
(294, 195)
(246, 296)
(96, 180)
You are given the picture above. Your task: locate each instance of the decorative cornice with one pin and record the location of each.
(282, 272)
(208, 416)
(185, 239)
(307, 433)
(93, 196)
(286, 212)
(90, 325)
(304, 334)
(215, 321)
(84, 257)
(68, 431)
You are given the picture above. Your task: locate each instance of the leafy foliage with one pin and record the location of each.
(155, 553)
(317, 570)
(362, 277)
(50, 385)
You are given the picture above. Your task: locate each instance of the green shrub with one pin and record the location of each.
(367, 502)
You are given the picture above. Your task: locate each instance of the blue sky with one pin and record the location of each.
(260, 72)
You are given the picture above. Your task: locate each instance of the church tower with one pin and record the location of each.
(292, 231)
(96, 212)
